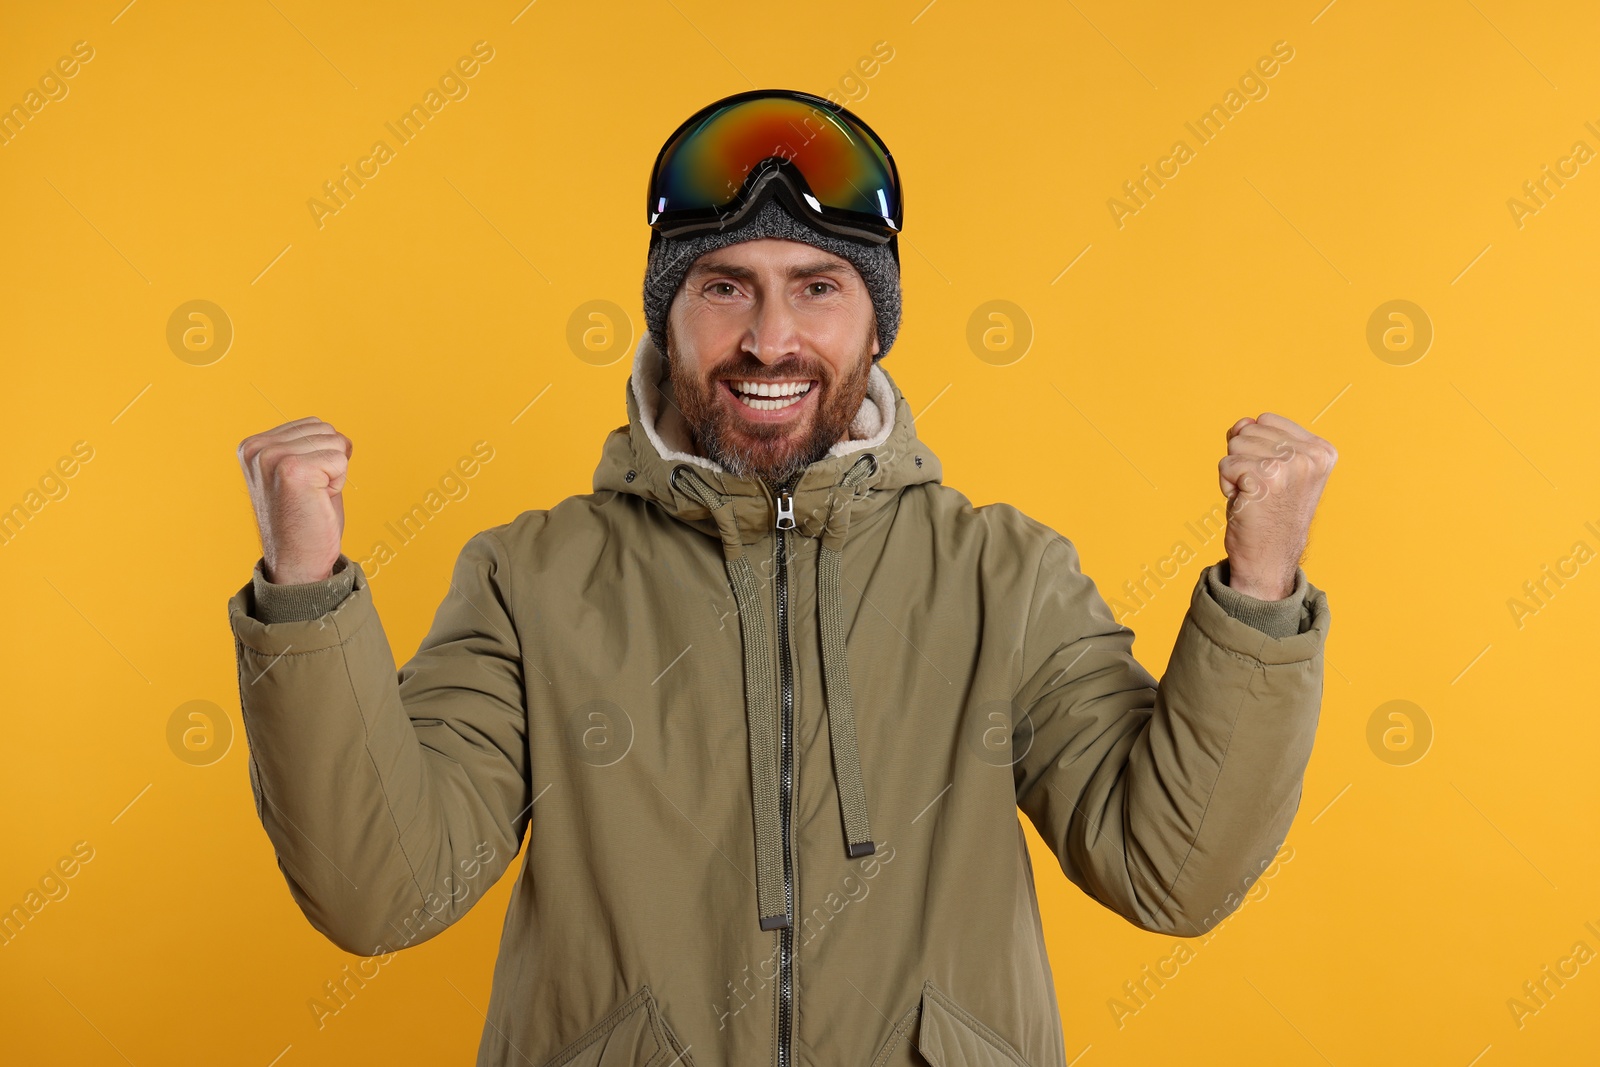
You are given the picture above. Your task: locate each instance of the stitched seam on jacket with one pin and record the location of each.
(1252, 661)
(366, 746)
(1267, 639)
(1022, 676)
(610, 1021)
(516, 635)
(897, 1035)
(1227, 746)
(1022, 668)
(522, 665)
(309, 651)
(665, 1038)
(1033, 595)
(977, 1025)
(291, 655)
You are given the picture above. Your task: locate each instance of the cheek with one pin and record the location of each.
(707, 326)
(842, 366)
(842, 344)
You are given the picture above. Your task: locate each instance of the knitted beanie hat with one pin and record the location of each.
(669, 261)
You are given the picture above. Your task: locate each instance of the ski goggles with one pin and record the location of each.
(725, 159)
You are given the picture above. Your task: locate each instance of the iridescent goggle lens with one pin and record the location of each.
(711, 168)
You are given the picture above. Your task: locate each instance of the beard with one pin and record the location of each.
(771, 452)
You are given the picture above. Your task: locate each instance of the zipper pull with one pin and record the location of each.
(785, 510)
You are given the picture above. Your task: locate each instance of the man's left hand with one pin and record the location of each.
(1273, 476)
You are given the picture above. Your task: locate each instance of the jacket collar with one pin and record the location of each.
(639, 458)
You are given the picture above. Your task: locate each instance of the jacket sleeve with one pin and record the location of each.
(1277, 618)
(1163, 800)
(306, 600)
(393, 799)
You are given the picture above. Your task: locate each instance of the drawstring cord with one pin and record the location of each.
(761, 690)
(835, 668)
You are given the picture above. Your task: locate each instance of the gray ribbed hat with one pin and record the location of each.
(669, 261)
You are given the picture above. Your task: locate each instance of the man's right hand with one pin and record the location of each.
(295, 474)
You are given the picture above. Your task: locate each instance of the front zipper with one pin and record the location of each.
(784, 521)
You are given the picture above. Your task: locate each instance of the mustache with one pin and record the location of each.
(760, 372)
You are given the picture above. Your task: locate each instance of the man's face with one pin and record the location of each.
(774, 317)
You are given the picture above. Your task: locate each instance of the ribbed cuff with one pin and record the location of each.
(302, 601)
(1275, 618)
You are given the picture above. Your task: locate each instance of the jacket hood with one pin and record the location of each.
(653, 457)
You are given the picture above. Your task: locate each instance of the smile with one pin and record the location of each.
(769, 396)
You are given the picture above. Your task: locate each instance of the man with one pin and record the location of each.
(768, 699)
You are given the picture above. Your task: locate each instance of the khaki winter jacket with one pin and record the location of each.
(768, 750)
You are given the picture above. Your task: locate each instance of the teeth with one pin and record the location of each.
(771, 388)
(770, 405)
(782, 394)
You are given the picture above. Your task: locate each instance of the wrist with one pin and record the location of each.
(1269, 584)
(289, 576)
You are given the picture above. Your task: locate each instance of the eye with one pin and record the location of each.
(830, 285)
(715, 285)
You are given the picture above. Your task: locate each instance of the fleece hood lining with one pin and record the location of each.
(669, 433)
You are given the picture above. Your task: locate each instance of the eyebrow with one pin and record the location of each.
(734, 270)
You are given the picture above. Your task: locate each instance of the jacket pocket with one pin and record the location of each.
(939, 1032)
(633, 1034)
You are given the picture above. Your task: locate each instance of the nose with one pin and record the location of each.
(774, 336)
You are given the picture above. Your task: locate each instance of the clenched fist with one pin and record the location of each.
(1272, 476)
(295, 473)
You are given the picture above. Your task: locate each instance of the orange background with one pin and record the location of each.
(1416, 895)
